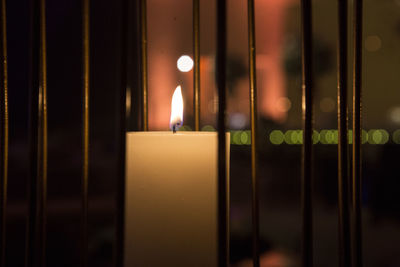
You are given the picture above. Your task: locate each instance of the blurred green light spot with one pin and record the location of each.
(385, 136)
(298, 137)
(288, 137)
(396, 136)
(350, 136)
(208, 128)
(322, 137)
(248, 137)
(372, 138)
(244, 138)
(293, 137)
(377, 137)
(276, 137)
(364, 136)
(328, 136)
(185, 128)
(335, 136)
(236, 137)
(315, 137)
(231, 136)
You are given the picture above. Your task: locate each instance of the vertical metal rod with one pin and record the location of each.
(4, 132)
(253, 122)
(43, 100)
(343, 177)
(36, 234)
(307, 151)
(357, 180)
(223, 196)
(85, 127)
(196, 68)
(122, 125)
(143, 32)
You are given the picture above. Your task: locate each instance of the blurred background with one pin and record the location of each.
(279, 109)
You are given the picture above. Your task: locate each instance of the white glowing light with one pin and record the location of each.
(185, 63)
(176, 109)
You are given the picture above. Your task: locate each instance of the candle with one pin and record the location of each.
(171, 196)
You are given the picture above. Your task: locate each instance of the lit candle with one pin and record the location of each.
(171, 195)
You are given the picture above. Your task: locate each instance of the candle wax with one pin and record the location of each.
(171, 198)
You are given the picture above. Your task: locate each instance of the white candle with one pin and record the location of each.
(171, 197)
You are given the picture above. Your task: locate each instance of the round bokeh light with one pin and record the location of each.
(185, 63)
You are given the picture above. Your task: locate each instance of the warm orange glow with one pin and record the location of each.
(176, 109)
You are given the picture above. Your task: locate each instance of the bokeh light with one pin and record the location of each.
(373, 43)
(288, 137)
(385, 136)
(185, 128)
(276, 137)
(208, 128)
(364, 136)
(185, 63)
(378, 136)
(327, 104)
(335, 136)
(315, 137)
(283, 104)
(394, 115)
(396, 136)
(328, 137)
(236, 137)
(245, 138)
(298, 137)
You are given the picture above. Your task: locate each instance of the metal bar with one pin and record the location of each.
(143, 33)
(85, 127)
(4, 133)
(253, 122)
(43, 101)
(307, 151)
(36, 228)
(196, 67)
(223, 196)
(343, 177)
(357, 90)
(122, 125)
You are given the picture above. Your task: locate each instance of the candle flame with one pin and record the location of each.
(176, 109)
